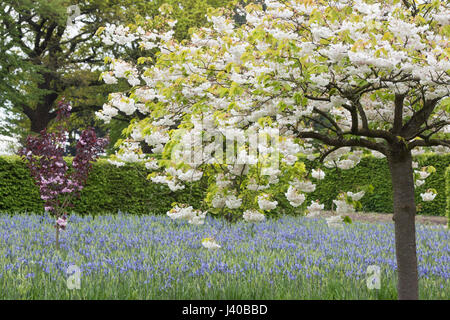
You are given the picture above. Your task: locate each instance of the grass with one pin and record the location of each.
(152, 257)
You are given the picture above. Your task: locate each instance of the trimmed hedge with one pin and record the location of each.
(447, 189)
(110, 189)
(376, 172)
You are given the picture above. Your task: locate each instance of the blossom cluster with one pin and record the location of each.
(184, 212)
(354, 77)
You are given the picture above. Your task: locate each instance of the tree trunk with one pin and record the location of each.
(39, 122)
(400, 164)
(41, 116)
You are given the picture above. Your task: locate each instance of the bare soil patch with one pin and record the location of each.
(387, 218)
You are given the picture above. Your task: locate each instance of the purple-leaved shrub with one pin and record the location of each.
(44, 155)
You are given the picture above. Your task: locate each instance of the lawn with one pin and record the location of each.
(152, 257)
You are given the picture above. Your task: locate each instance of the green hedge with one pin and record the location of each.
(107, 190)
(376, 172)
(110, 189)
(447, 188)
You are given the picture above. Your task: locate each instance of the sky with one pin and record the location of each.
(5, 141)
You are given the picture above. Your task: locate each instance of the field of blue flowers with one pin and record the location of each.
(152, 257)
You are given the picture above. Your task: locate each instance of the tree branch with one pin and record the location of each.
(410, 129)
(428, 143)
(330, 119)
(364, 143)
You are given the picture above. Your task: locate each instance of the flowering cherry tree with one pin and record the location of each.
(44, 156)
(328, 79)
